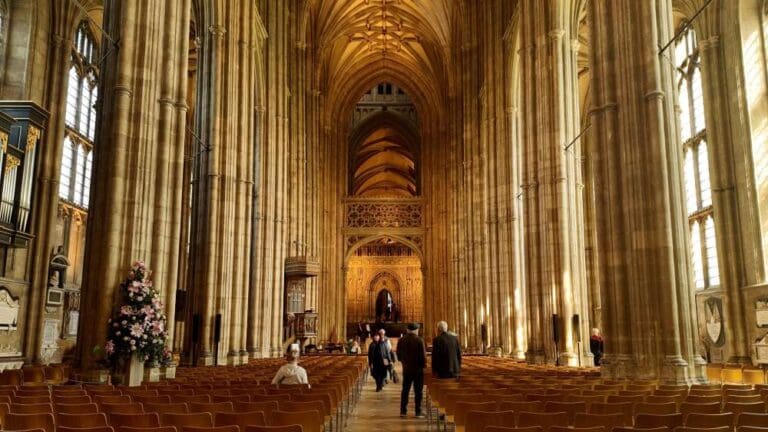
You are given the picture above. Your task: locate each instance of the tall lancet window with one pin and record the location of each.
(693, 134)
(80, 119)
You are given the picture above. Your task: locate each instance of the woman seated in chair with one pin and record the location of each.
(291, 372)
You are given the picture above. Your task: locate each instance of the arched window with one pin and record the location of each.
(693, 134)
(80, 119)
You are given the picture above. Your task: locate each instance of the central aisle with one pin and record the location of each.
(381, 411)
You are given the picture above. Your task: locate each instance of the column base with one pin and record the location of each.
(568, 358)
(700, 370)
(618, 366)
(233, 358)
(205, 359)
(674, 370)
(535, 357)
(518, 354)
(244, 357)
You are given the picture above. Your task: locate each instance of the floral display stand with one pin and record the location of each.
(137, 332)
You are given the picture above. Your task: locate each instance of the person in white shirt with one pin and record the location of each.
(291, 372)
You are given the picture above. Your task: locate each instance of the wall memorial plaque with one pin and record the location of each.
(761, 312)
(713, 312)
(9, 310)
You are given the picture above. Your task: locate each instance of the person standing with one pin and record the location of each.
(391, 368)
(596, 346)
(412, 353)
(446, 353)
(378, 361)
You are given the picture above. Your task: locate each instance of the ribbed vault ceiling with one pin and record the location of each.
(384, 166)
(408, 36)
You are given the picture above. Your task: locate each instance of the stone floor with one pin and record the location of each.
(381, 411)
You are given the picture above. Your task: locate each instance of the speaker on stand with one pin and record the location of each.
(196, 322)
(556, 337)
(216, 338)
(577, 332)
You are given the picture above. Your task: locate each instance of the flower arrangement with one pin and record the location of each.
(139, 324)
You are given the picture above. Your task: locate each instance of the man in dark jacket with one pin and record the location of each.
(446, 353)
(413, 355)
(378, 361)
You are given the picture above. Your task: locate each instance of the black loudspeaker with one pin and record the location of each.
(576, 327)
(196, 328)
(217, 329)
(555, 328)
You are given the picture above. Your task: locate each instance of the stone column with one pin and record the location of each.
(137, 150)
(638, 193)
(552, 217)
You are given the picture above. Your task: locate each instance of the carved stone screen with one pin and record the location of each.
(383, 215)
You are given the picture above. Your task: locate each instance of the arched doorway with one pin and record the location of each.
(384, 305)
(384, 285)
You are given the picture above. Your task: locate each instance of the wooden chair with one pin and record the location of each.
(575, 429)
(78, 399)
(697, 420)
(211, 407)
(688, 408)
(81, 420)
(751, 429)
(230, 428)
(514, 429)
(32, 399)
(289, 428)
(752, 420)
(656, 408)
(162, 399)
(266, 407)
(240, 419)
(462, 408)
(625, 399)
(85, 429)
(649, 421)
(310, 421)
(477, 421)
(698, 429)
(18, 422)
(37, 408)
(202, 398)
(737, 407)
(743, 399)
(608, 421)
(88, 408)
(534, 406)
(638, 429)
(182, 420)
(122, 408)
(570, 408)
(704, 399)
(625, 408)
(166, 408)
(545, 420)
(111, 399)
(145, 420)
(146, 429)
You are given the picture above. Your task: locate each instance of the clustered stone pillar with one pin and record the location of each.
(634, 154)
(138, 159)
(222, 233)
(554, 270)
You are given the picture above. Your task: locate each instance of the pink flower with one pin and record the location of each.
(135, 287)
(137, 330)
(157, 327)
(148, 310)
(126, 310)
(109, 347)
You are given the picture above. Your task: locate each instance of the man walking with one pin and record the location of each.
(412, 353)
(446, 353)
